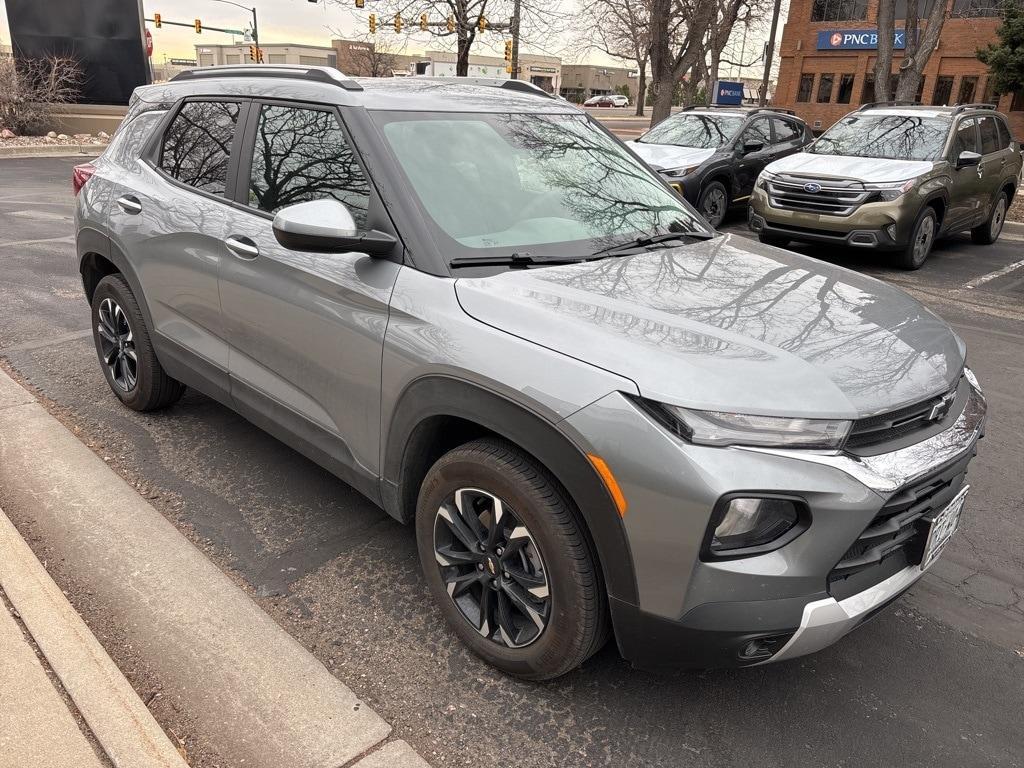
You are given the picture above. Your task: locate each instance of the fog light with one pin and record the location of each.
(762, 648)
(749, 523)
(891, 231)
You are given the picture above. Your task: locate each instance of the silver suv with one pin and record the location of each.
(471, 303)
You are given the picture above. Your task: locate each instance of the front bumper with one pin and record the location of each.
(779, 605)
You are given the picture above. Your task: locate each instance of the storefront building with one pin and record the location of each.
(829, 49)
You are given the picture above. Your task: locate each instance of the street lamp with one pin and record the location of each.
(255, 28)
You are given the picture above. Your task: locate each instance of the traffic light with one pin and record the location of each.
(373, 23)
(451, 23)
(199, 27)
(360, 3)
(508, 50)
(259, 55)
(253, 55)
(423, 22)
(398, 22)
(157, 21)
(481, 24)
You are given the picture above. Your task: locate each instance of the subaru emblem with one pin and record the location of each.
(813, 187)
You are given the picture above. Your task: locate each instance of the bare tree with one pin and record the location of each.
(31, 88)
(622, 30)
(919, 46)
(367, 57)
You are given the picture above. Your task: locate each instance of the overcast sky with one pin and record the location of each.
(300, 21)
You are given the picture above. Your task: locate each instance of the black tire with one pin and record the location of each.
(915, 253)
(769, 239)
(150, 388)
(989, 232)
(576, 611)
(713, 203)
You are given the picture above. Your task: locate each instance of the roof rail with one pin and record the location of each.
(328, 75)
(739, 107)
(873, 104)
(977, 105)
(522, 86)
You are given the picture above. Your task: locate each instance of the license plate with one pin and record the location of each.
(943, 527)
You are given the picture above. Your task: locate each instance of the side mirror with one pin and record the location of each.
(327, 226)
(967, 159)
(752, 146)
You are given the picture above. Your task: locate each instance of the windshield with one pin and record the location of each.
(552, 186)
(698, 131)
(891, 137)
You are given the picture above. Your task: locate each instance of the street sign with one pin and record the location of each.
(856, 39)
(728, 92)
(149, 43)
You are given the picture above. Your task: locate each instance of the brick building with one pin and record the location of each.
(828, 59)
(581, 81)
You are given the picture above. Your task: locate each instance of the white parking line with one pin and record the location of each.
(65, 239)
(993, 275)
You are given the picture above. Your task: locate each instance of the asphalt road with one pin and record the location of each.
(936, 680)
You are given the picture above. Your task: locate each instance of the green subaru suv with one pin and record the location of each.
(893, 177)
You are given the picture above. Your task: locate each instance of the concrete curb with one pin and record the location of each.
(1014, 228)
(52, 150)
(252, 690)
(115, 714)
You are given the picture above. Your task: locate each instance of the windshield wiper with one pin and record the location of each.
(522, 259)
(647, 241)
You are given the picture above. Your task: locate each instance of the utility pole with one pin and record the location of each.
(514, 28)
(769, 53)
(255, 26)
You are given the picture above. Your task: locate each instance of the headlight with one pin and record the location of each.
(682, 171)
(763, 179)
(719, 428)
(746, 523)
(890, 192)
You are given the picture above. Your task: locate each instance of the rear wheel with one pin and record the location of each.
(713, 203)
(917, 250)
(988, 233)
(506, 559)
(125, 351)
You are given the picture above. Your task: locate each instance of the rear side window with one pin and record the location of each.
(300, 155)
(966, 139)
(757, 133)
(989, 135)
(785, 131)
(197, 146)
(1004, 134)
(129, 140)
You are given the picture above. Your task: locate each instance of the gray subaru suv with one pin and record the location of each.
(470, 302)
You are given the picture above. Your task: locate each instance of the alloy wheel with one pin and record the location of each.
(117, 345)
(492, 568)
(998, 217)
(923, 238)
(713, 206)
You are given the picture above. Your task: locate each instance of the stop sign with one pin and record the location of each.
(149, 43)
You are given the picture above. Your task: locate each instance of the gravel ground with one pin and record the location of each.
(48, 141)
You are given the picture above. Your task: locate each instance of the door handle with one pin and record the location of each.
(130, 204)
(242, 247)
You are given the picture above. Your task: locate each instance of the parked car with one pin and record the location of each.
(595, 101)
(618, 100)
(607, 100)
(712, 156)
(471, 303)
(894, 177)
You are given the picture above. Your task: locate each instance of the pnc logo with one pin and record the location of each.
(836, 39)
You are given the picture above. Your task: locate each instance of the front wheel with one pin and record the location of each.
(988, 233)
(713, 203)
(917, 250)
(505, 557)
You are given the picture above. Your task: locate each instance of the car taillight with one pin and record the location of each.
(81, 174)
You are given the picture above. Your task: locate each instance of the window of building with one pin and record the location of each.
(205, 59)
(966, 137)
(973, 9)
(943, 91)
(196, 149)
(919, 96)
(785, 131)
(989, 135)
(825, 87)
(845, 89)
(991, 96)
(301, 155)
(1017, 105)
(806, 85)
(924, 8)
(233, 58)
(313, 61)
(838, 10)
(867, 93)
(968, 85)
(277, 58)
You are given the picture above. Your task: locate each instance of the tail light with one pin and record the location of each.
(81, 174)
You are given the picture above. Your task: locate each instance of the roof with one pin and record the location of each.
(924, 110)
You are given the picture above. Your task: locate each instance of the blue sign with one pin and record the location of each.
(727, 92)
(856, 39)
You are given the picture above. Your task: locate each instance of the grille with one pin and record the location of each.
(897, 534)
(886, 428)
(836, 197)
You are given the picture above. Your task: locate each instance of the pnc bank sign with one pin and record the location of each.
(856, 39)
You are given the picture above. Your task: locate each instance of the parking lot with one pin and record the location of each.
(937, 679)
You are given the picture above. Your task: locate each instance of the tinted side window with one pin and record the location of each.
(785, 131)
(966, 139)
(757, 132)
(301, 155)
(1004, 134)
(989, 135)
(128, 141)
(197, 146)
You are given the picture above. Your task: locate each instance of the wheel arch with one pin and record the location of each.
(437, 413)
(939, 201)
(99, 256)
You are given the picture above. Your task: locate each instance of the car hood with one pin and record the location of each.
(869, 169)
(668, 155)
(731, 324)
